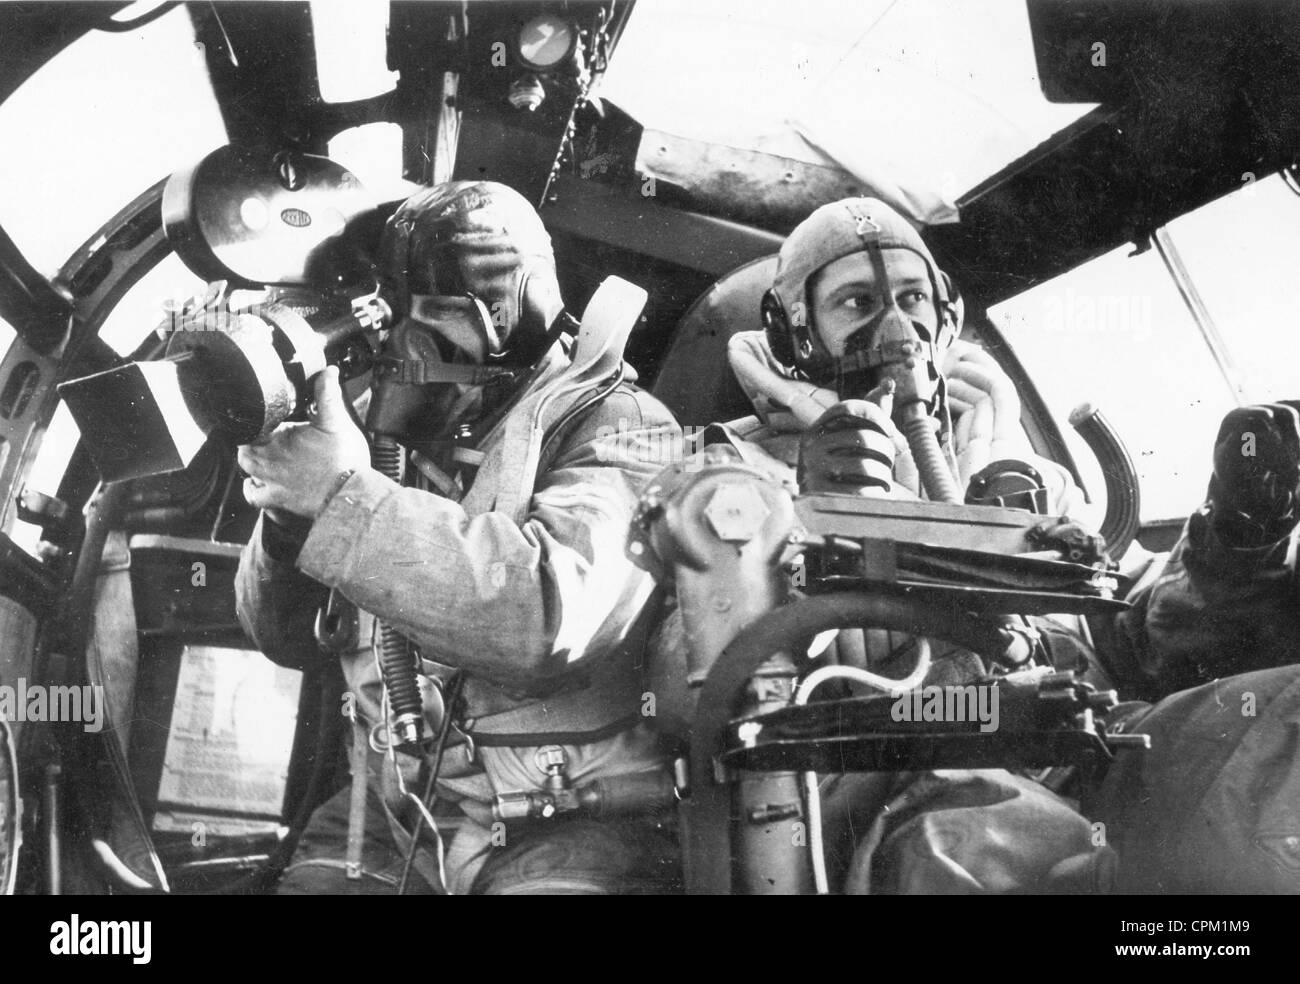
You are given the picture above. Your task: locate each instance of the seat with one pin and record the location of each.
(695, 381)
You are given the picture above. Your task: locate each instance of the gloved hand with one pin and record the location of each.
(1256, 481)
(852, 446)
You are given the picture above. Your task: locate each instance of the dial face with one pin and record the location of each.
(545, 41)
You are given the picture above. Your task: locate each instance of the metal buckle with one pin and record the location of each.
(336, 624)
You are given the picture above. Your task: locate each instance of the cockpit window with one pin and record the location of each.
(351, 50)
(51, 461)
(373, 152)
(1120, 332)
(1242, 252)
(1116, 333)
(101, 122)
(903, 94)
(140, 311)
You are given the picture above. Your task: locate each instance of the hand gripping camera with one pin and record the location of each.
(246, 218)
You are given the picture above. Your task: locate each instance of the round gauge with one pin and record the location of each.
(546, 41)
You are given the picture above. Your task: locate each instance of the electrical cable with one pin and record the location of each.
(1288, 175)
(391, 755)
(574, 411)
(104, 507)
(112, 26)
(118, 869)
(13, 810)
(430, 786)
(812, 794)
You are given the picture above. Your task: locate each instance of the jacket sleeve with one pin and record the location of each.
(275, 602)
(1207, 610)
(516, 603)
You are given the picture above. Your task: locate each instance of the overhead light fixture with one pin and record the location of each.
(527, 92)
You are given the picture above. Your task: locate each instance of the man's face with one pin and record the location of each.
(845, 296)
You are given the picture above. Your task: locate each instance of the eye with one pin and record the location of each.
(860, 302)
(914, 298)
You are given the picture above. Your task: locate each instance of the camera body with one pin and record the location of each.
(287, 224)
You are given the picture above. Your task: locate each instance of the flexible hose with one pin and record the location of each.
(936, 479)
(395, 662)
(386, 457)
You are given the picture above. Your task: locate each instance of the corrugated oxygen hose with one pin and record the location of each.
(395, 661)
(918, 427)
(940, 485)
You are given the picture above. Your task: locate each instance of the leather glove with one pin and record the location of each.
(1256, 482)
(851, 447)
